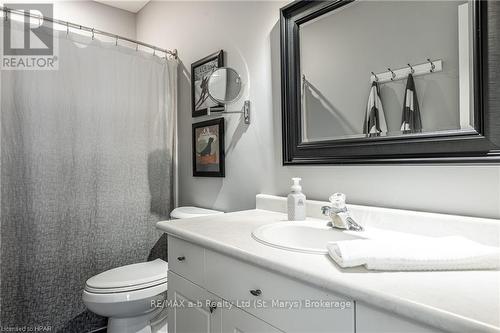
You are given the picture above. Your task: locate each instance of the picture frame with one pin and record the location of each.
(208, 148)
(200, 73)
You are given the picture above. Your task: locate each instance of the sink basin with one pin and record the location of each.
(303, 236)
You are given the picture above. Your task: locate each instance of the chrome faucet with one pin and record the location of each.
(339, 213)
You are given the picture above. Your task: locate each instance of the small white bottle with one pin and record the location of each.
(296, 202)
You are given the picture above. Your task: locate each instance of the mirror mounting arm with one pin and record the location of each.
(245, 111)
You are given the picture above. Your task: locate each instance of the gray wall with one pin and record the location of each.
(249, 32)
(96, 15)
(339, 50)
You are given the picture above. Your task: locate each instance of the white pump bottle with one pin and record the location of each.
(296, 202)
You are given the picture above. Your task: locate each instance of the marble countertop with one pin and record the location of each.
(455, 301)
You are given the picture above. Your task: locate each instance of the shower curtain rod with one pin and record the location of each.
(68, 25)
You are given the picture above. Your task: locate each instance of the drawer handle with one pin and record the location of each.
(212, 308)
(181, 258)
(256, 292)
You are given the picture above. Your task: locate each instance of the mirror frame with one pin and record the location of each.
(481, 145)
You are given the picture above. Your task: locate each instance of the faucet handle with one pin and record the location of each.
(338, 200)
(339, 213)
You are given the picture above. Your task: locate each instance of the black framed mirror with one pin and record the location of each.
(390, 82)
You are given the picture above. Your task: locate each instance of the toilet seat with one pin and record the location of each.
(128, 296)
(129, 278)
(124, 289)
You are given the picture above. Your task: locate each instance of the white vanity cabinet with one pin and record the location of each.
(198, 274)
(262, 301)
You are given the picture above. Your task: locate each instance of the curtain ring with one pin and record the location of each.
(67, 28)
(137, 47)
(411, 69)
(432, 65)
(116, 40)
(92, 33)
(393, 75)
(376, 77)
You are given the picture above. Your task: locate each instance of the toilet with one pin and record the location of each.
(132, 296)
(125, 295)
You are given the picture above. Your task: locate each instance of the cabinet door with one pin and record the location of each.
(190, 309)
(235, 320)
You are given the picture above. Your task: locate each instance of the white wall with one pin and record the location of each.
(98, 16)
(249, 32)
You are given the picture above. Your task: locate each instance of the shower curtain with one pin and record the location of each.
(86, 172)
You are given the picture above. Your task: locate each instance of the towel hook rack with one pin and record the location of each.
(424, 68)
(432, 65)
(393, 75)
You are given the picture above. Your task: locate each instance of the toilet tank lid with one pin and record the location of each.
(130, 275)
(189, 211)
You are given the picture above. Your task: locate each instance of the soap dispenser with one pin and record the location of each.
(296, 202)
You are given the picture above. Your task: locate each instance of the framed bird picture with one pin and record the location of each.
(208, 148)
(200, 73)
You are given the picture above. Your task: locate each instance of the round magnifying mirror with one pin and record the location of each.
(224, 85)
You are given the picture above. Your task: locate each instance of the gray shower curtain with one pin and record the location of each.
(86, 172)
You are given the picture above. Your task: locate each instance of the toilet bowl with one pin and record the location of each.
(186, 212)
(131, 297)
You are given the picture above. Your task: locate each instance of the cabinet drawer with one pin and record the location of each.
(186, 259)
(287, 304)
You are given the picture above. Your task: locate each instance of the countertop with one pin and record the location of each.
(455, 301)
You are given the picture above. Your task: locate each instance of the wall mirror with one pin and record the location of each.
(224, 86)
(386, 81)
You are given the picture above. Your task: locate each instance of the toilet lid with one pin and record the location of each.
(189, 211)
(129, 277)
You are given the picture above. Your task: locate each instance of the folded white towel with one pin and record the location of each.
(414, 254)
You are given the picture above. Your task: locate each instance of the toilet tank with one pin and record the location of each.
(190, 211)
